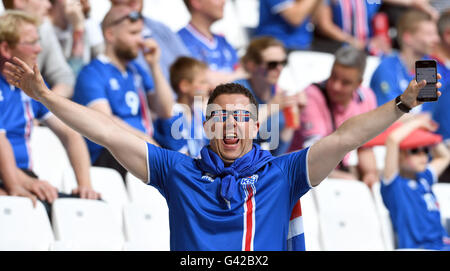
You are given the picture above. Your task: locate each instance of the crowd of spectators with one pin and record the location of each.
(155, 82)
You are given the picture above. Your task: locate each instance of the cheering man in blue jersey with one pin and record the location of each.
(236, 196)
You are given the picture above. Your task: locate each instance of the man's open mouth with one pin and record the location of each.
(230, 139)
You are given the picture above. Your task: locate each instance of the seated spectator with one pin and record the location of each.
(208, 47)
(417, 35)
(9, 180)
(19, 38)
(116, 85)
(333, 101)
(351, 22)
(55, 70)
(406, 185)
(184, 131)
(288, 21)
(70, 21)
(264, 60)
(166, 38)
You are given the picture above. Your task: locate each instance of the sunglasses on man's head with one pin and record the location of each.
(425, 150)
(132, 16)
(238, 115)
(271, 65)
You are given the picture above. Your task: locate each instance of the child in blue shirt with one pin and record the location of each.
(407, 180)
(184, 132)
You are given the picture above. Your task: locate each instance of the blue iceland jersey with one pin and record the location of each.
(441, 113)
(354, 16)
(390, 79)
(18, 111)
(414, 211)
(439, 109)
(125, 92)
(272, 24)
(200, 219)
(217, 53)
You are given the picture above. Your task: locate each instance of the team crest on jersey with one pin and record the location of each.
(249, 180)
(114, 84)
(207, 178)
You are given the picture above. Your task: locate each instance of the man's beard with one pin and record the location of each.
(124, 53)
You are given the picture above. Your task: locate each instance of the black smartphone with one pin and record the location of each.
(426, 70)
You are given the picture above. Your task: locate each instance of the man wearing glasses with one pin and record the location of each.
(237, 196)
(117, 86)
(162, 34)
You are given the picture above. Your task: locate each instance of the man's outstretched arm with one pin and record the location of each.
(325, 154)
(128, 149)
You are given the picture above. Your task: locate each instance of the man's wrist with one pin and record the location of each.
(401, 105)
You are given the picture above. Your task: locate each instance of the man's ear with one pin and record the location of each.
(108, 34)
(256, 130)
(5, 50)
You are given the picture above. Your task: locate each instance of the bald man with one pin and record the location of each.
(116, 85)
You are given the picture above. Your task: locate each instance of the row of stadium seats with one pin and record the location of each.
(338, 215)
(342, 215)
(137, 220)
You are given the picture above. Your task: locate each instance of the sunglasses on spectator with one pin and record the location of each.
(271, 65)
(425, 150)
(238, 115)
(132, 16)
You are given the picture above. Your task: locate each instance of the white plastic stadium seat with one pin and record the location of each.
(146, 227)
(81, 224)
(310, 222)
(310, 67)
(385, 220)
(107, 182)
(173, 13)
(48, 156)
(372, 63)
(248, 12)
(23, 227)
(139, 192)
(348, 217)
(442, 193)
(231, 27)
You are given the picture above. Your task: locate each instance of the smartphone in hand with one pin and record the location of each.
(426, 70)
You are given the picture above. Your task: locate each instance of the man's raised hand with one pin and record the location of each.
(19, 74)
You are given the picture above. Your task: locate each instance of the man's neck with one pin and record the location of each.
(202, 25)
(409, 57)
(119, 63)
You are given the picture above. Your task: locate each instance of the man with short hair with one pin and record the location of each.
(332, 102)
(117, 86)
(237, 196)
(417, 37)
(56, 71)
(173, 46)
